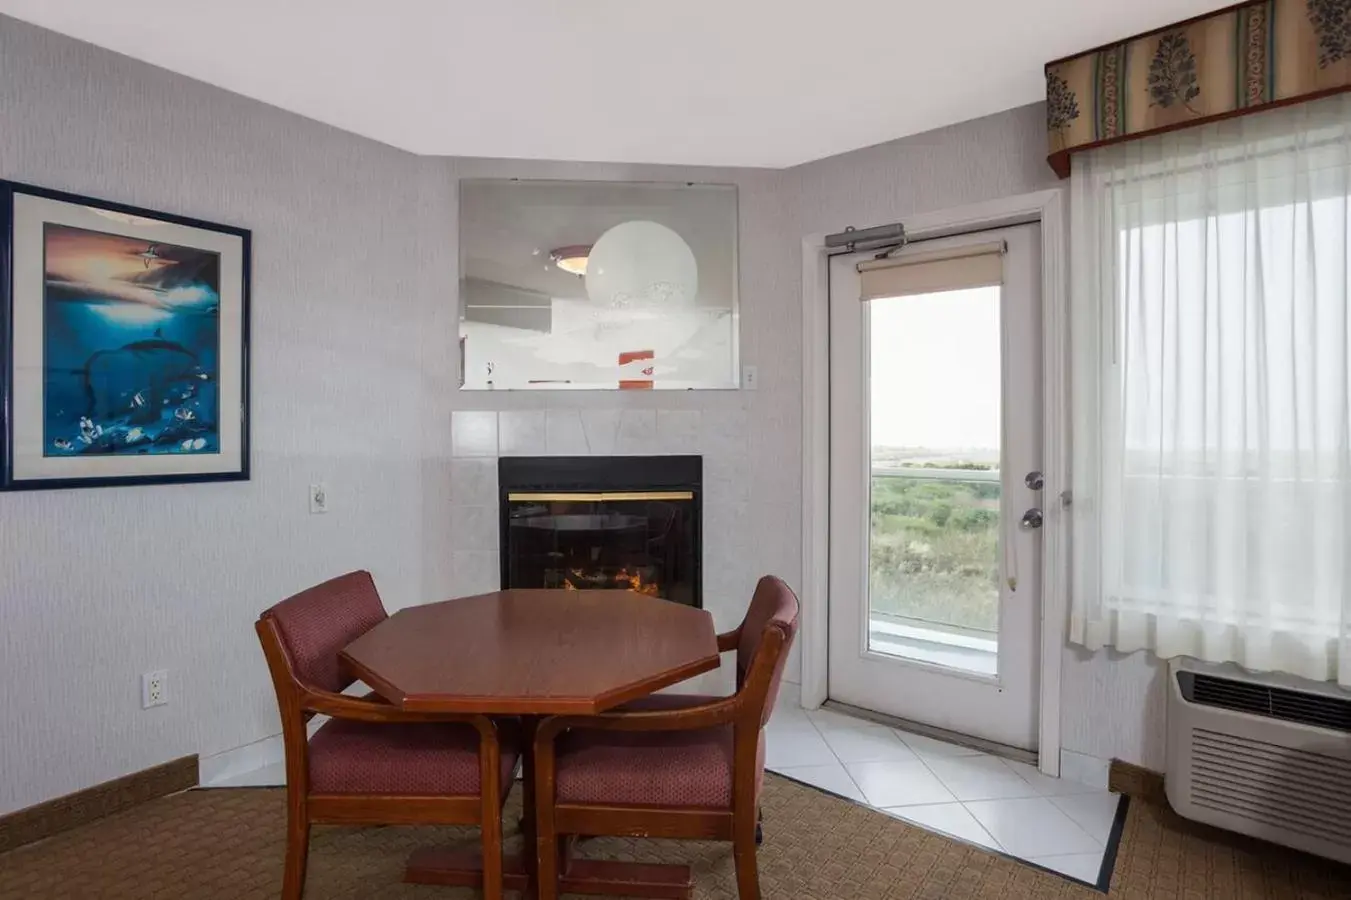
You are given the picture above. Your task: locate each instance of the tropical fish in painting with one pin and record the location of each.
(89, 432)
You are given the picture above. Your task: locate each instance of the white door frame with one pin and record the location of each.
(1048, 208)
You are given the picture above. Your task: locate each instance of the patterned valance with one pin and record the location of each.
(1239, 60)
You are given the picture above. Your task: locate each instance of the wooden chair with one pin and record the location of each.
(672, 766)
(372, 763)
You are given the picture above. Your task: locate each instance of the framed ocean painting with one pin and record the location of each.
(123, 343)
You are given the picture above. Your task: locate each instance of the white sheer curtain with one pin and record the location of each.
(1210, 336)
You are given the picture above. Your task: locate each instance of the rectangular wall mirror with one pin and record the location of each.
(594, 285)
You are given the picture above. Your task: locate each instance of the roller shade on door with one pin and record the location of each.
(973, 266)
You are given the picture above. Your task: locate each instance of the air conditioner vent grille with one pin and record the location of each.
(1270, 702)
(1295, 790)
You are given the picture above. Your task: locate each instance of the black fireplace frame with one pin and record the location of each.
(602, 473)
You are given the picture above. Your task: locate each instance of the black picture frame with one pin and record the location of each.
(232, 463)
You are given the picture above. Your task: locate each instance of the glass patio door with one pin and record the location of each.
(935, 500)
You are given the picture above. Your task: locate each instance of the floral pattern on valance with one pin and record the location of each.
(1331, 21)
(1238, 60)
(1172, 73)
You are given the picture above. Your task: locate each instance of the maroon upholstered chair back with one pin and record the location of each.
(773, 605)
(317, 623)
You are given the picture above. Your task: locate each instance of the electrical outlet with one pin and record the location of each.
(154, 688)
(319, 498)
(750, 378)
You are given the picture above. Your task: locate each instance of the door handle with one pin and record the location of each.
(1032, 519)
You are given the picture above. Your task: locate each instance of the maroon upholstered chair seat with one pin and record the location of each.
(422, 759)
(648, 768)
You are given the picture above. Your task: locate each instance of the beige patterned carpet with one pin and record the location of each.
(228, 844)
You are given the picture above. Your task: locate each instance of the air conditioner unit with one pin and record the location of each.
(1264, 755)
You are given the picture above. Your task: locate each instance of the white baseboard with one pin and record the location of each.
(1085, 769)
(248, 758)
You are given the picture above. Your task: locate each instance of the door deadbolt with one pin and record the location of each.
(1034, 480)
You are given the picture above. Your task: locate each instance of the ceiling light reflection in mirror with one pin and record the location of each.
(597, 285)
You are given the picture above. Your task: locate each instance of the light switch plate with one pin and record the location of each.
(750, 378)
(319, 498)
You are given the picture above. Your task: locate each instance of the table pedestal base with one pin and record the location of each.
(464, 868)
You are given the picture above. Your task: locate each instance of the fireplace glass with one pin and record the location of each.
(623, 540)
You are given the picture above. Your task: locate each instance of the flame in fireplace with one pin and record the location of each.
(622, 580)
(636, 583)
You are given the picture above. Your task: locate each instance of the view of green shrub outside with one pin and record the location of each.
(935, 548)
(934, 409)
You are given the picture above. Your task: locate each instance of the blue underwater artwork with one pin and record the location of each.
(131, 345)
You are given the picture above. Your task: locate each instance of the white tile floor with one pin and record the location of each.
(996, 803)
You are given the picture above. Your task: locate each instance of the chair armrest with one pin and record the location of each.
(363, 709)
(690, 718)
(728, 640)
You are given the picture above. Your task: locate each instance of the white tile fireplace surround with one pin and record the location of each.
(741, 540)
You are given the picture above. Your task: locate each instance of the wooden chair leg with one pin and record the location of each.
(547, 852)
(491, 838)
(491, 791)
(547, 839)
(743, 851)
(297, 856)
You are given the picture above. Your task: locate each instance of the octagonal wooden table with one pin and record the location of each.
(536, 653)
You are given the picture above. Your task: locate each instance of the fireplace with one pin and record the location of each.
(602, 523)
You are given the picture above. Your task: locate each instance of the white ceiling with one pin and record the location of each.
(718, 82)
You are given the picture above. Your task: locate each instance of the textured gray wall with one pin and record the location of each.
(354, 371)
(97, 586)
(1003, 155)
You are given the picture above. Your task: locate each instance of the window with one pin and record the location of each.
(1212, 476)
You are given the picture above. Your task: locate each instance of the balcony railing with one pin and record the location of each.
(985, 475)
